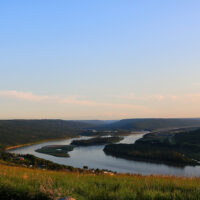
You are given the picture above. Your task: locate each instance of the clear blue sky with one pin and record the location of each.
(102, 59)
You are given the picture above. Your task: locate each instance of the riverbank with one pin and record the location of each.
(175, 147)
(39, 142)
(94, 157)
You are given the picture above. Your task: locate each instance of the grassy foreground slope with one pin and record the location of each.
(16, 132)
(22, 183)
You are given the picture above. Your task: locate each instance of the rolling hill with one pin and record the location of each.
(152, 124)
(16, 132)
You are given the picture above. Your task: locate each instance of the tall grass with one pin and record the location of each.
(22, 183)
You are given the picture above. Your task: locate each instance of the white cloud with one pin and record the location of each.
(23, 95)
(131, 95)
(155, 97)
(76, 100)
(157, 105)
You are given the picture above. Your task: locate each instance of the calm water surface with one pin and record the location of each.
(94, 157)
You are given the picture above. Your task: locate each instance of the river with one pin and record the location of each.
(94, 157)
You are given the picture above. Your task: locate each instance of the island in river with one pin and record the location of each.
(62, 150)
(174, 147)
(97, 141)
(56, 150)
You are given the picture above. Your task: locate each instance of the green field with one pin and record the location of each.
(31, 178)
(21, 183)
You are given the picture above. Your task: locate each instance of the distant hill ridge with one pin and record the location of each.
(153, 123)
(15, 132)
(97, 122)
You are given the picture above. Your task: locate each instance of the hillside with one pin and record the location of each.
(152, 124)
(92, 122)
(175, 147)
(15, 132)
(22, 183)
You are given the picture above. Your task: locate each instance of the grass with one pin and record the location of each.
(22, 183)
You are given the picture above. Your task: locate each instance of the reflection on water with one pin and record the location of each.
(94, 157)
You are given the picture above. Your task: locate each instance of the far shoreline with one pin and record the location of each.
(59, 139)
(33, 143)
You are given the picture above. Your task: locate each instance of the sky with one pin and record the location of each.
(86, 59)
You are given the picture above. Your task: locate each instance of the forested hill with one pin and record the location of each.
(152, 124)
(15, 132)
